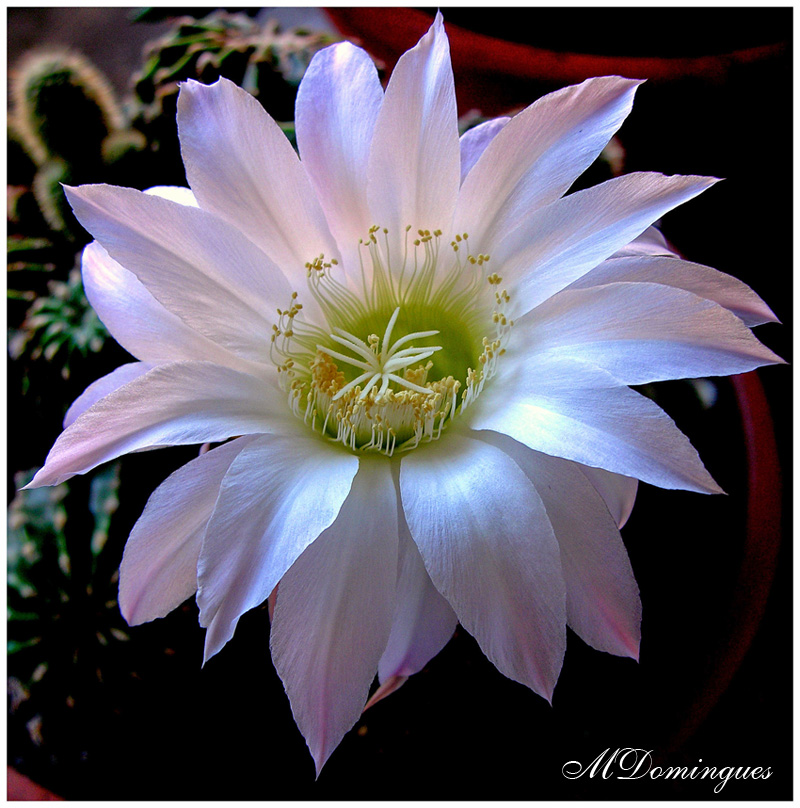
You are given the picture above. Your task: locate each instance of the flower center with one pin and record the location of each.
(385, 371)
(380, 365)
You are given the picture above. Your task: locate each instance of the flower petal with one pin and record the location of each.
(703, 281)
(488, 546)
(603, 605)
(241, 166)
(423, 621)
(574, 410)
(414, 165)
(159, 566)
(651, 242)
(644, 332)
(337, 105)
(197, 266)
(334, 611)
(474, 141)
(140, 324)
(172, 404)
(278, 495)
(541, 152)
(103, 386)
(183, 196)
(386, 688)
(557, 244)
(618, 492)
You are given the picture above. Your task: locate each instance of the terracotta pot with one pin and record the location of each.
(757, 560)
(495, 75)
(22, 788)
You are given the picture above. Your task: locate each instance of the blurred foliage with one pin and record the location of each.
(263, 59)
(63, 114)
(41, 569)
(63, 620)
(161, 13)
(62, 321)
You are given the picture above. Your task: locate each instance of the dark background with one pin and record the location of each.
(460, 730)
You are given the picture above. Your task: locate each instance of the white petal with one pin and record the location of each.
(474, 141)
(200, 268)
(489, 548)
(579, 412)
(278, 495)
(603, 605)
(241, 167)
(423, 621)
(159, 566)
(651, 242)
(618, 492)
(140, 324)
(103, 386)
(541, 152)
(557, 244)
(703, 281)
(334, 612)
(644, 332)
(172, 404)
(183, 196)
(337, 105)
(414, 167)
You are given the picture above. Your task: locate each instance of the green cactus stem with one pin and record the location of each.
(62, 107)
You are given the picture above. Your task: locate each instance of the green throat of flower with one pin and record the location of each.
(398, 360)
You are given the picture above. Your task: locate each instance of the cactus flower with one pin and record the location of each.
(412, 354)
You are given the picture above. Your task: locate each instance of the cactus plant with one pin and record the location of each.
(64, 628)
(54, 90)
(51, 573)
(62, 320)
(68, 121)
(263, 59)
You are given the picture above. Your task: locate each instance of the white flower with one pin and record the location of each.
(436, 426)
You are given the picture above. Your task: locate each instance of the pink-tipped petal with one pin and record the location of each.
(337, 106)
(580, 412)
(279, 494)
(241, 167)
(702, 281)
(423, 621)
(172, 404)
(103, 387)
(603, 605)
(644, 332)
(617, 491)
(142, 325)
(559, 243)
(388, 687)
(489, 548)
(159, 566)
(541, 152)
(414, 166)
(334, 612)
(197, 266)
